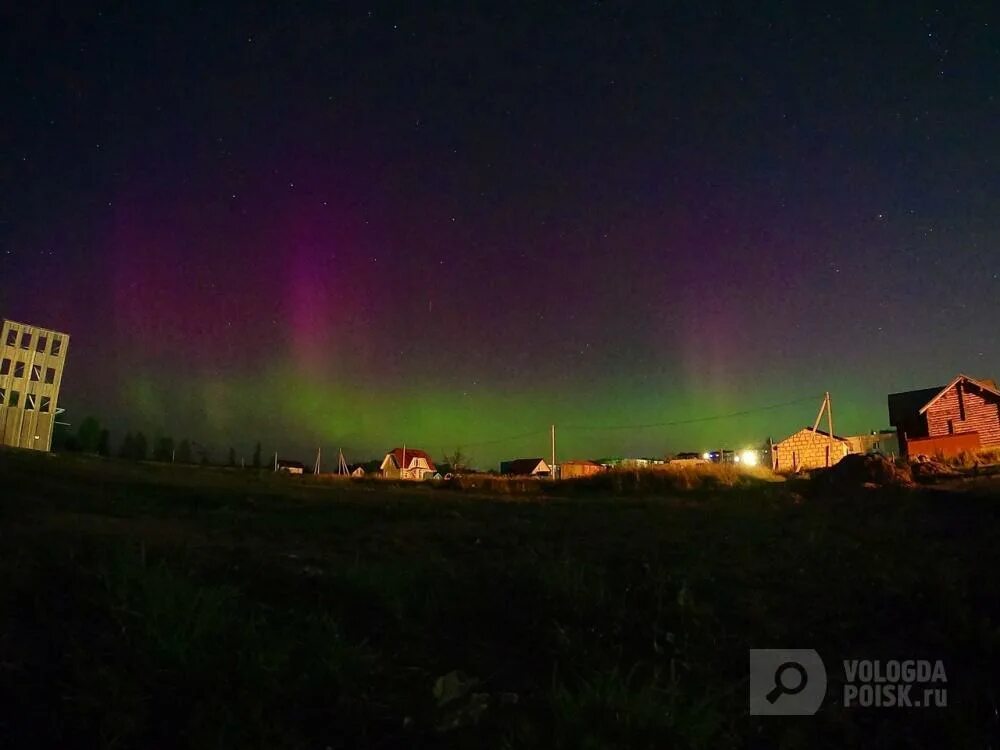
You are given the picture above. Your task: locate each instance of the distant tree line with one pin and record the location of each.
(91, 437)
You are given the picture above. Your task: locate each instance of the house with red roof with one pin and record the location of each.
(408, 463)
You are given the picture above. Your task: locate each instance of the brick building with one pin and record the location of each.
(577, 469)
(963, 415)
(808, 449)
(31, 369)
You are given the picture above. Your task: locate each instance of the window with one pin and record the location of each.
(19, 369)
(5, 366)
(43, 341)
(3, 396)
(50, 375)
(56, 346)
(29, 402)
(46, 406)
(951, 427)
(15, 398)
(36, 373)
(12, 337)
(25, 340)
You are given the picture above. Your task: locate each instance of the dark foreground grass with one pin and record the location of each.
(150, 606)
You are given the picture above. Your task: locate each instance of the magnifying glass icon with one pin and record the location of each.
(785, 685)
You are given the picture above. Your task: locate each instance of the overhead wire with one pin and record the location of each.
(694, 420)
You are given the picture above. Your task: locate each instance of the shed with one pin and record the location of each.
(808, 449)
(290, 467)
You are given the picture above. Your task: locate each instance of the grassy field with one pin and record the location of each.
(156, 606)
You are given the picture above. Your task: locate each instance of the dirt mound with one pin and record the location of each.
(930, 470)
(859, 470)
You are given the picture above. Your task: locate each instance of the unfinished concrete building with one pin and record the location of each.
(31, 369)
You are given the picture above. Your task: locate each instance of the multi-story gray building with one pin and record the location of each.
(31, 369)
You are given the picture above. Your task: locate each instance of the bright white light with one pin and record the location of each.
(748, 458)
(707, 456)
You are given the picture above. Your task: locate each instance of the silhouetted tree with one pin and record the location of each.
(184, 452)
(104, 443)
(163, 450)
(89, 434)
(203, 456)
(256, 456)
(63, 439)
(457, 460)
(127, 449)
(232, 457)
(140, 447)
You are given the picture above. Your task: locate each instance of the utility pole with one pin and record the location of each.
(829, 423)
(828, 408)
(316, 467)
(552, 470)
(342, 464)
(276, 460)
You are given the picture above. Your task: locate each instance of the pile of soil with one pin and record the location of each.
(926, 469)
(865, 470)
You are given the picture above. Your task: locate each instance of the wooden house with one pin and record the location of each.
(961, 416)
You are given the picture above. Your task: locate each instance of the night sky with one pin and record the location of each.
(359, 225)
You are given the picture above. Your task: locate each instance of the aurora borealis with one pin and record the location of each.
(363, 225)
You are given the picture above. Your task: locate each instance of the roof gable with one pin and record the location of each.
(906, 405)
(412, 456)
(822, 433)
(524, 466)
(988, 386)
(909, 404)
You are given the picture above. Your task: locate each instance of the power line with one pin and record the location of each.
(503, 440)
(695, 420)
